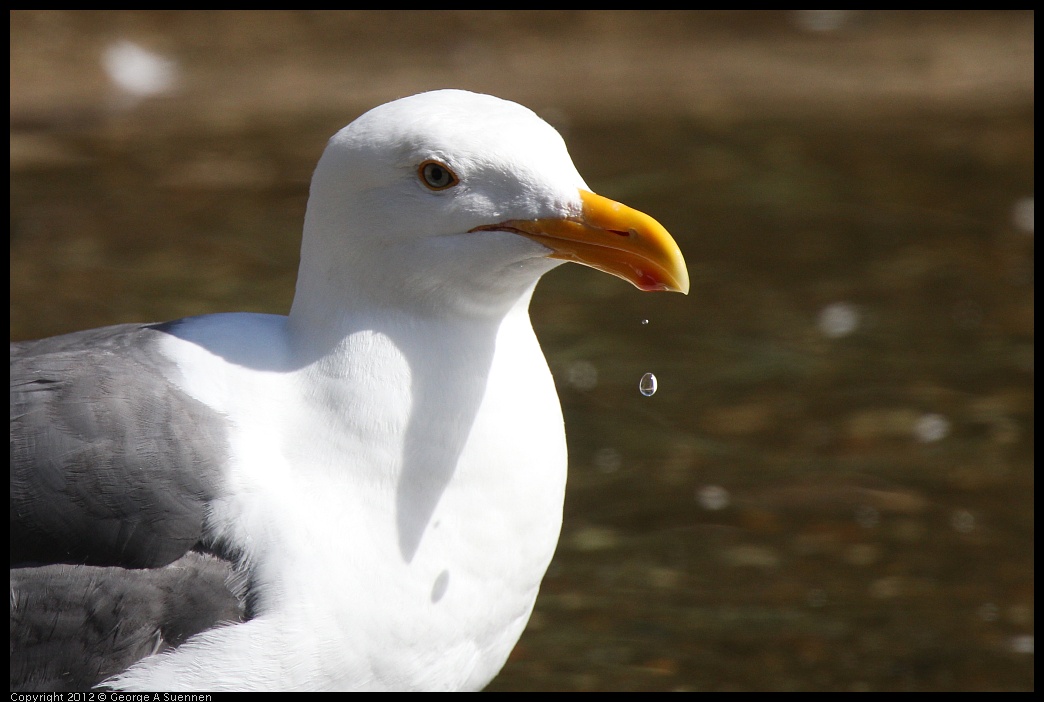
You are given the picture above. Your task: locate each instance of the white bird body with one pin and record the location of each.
(383, 545)
(388, 479)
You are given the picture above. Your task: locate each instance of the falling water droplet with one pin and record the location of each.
(647, 385)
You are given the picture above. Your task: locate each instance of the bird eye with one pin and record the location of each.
(437, 176)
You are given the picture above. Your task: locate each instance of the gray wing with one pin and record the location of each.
(112, 468)
(74, 626)
(111, 464)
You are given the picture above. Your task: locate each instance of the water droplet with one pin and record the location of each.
(647, 385)
(644, 322)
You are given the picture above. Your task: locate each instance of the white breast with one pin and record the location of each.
(398, 518)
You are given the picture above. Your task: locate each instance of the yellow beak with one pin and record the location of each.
(612, 238)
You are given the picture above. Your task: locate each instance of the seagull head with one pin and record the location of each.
(452, 200)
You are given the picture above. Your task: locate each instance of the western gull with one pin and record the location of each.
(362, 495)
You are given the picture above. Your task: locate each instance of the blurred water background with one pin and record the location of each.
(831, 487)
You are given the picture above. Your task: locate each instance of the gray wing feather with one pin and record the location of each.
(112, 467)
(74, 626)
(111, 463)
